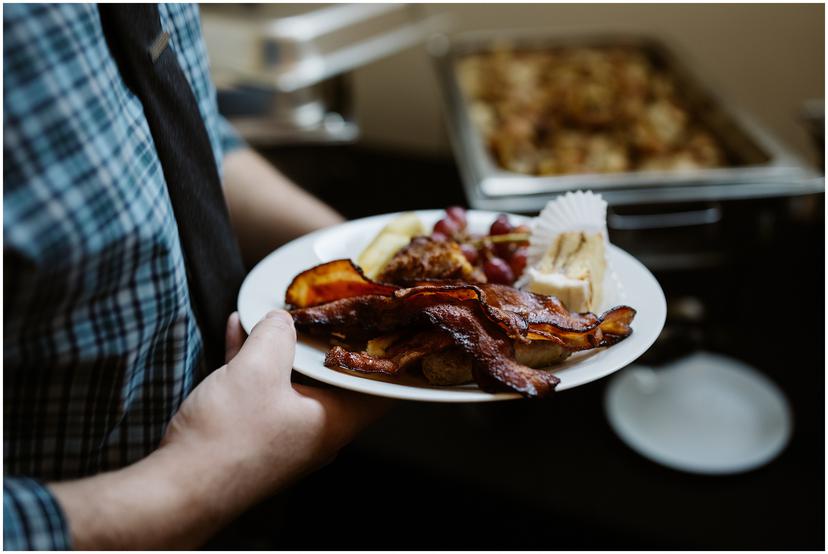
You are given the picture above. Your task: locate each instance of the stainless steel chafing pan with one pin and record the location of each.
(758, 165)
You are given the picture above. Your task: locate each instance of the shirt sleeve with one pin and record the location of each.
(230, 139)
(32, 517)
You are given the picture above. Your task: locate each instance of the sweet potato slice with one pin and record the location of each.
(332, 281)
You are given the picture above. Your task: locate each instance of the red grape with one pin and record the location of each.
(518, 261)
(446, 226)
(470, 252)
(439, 237)
(498, 271)
(504, 249)
(501, 225)
(458, 214)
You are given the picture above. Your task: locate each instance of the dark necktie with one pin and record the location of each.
(150, 69)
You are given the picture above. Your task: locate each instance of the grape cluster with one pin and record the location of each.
(501, 254)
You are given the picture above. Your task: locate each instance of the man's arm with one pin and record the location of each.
(242, 434)
(32, 517)
(245, 431)
(266, 208)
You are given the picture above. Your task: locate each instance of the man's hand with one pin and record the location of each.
(248, 413)
(243, 433)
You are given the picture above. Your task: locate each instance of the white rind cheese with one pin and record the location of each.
(574, 293)
(572, 269)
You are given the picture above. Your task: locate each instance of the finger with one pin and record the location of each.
(233, 337)
(270, 346)
(346, 412)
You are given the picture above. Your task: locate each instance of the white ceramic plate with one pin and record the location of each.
(705, 413)
(264, 290)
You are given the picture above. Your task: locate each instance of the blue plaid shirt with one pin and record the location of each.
(100, 342)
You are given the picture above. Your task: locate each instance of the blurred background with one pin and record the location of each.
(365, 106)
(768, 58)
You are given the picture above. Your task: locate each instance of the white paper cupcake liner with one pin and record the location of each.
(574, 211)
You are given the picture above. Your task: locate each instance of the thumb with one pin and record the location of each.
(233, 337)
(270, 346)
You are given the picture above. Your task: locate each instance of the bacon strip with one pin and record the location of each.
(483, 320)
(493, 356)
(400, 355)
(358, 317)
(363, 317)
(359, 361)
(524, 316)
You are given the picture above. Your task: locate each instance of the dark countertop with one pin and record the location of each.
(553, 475)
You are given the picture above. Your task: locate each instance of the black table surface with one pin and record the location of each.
(552, 474)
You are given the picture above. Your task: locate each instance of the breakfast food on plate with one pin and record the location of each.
(568, 251)
(449, 367)
(582, 110)
(427, 258)
(393, 236)
(572, 269)
(452, 252)
(445, 304)
(483, 321)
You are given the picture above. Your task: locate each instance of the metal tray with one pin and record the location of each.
(759, 164)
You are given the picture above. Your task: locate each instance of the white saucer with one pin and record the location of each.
(705, 413)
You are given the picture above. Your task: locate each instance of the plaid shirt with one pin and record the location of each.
(100, 342)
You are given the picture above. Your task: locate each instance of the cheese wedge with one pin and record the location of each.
(572, 269)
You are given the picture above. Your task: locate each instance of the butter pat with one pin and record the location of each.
(572, 269)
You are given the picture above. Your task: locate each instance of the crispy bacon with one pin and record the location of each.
(493, 355)
(524, 316)
(359, 361)
(482, 319)
(400, 354)
(363, 317)
(358, 317)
